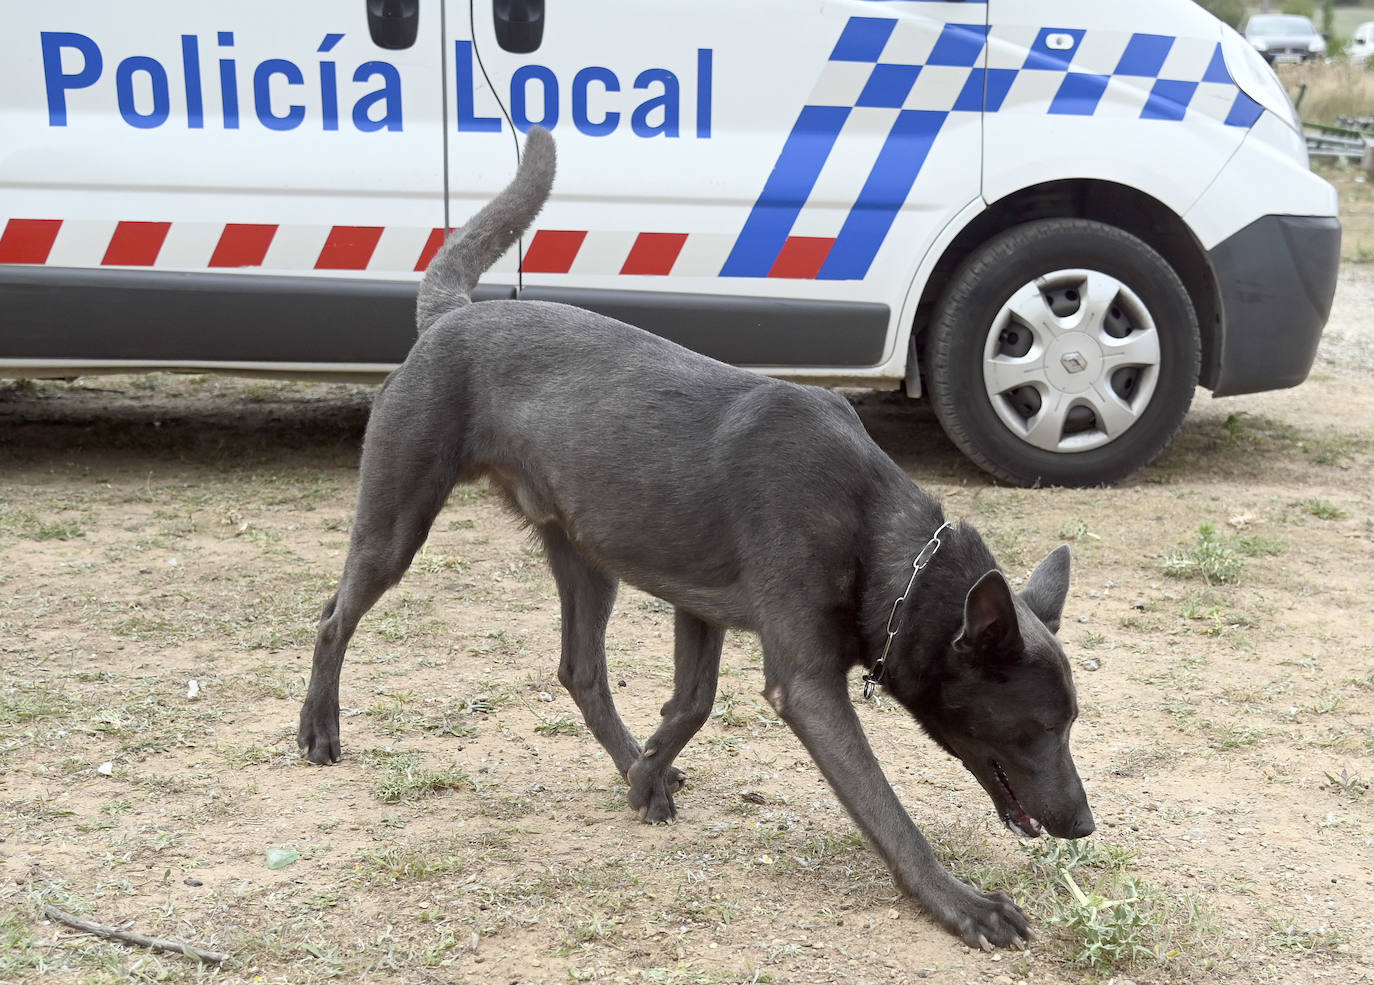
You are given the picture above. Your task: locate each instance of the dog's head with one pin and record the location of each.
(1004, 702)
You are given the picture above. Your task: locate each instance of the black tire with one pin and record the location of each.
(1137, 393)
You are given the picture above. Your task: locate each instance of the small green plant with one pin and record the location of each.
(727, 711)
(1346, 784)
(1321, 509)
(403, 778)
(1107, 920)
(1288, 936)
(559, 725)
(1210, 559)
(1077, 531)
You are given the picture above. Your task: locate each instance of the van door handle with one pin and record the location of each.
(519, 24)
(393, 24)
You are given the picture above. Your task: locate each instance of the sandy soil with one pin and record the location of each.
(160, 531)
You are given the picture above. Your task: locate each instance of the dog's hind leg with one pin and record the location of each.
(696, 663)
(404, 481)
(588, 594)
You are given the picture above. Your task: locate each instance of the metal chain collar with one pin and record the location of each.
(875, 676)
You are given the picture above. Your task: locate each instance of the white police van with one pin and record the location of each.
(1052, 217)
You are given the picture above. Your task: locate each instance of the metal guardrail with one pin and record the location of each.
(1347, 141)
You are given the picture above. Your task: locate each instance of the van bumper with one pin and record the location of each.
(1277, 277)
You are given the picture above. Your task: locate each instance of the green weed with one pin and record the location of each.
(1210, 559)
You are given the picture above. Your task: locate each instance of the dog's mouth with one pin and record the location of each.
(1014, 816)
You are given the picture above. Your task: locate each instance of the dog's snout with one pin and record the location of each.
(1082, 825)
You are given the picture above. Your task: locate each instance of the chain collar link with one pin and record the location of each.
(875, 676)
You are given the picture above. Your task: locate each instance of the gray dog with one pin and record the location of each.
(744, 502)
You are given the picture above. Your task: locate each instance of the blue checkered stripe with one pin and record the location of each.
(1153, 65)
(881, 63)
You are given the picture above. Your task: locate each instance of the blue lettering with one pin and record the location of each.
(142, 91)
(467, 99)
(389, 93)
(667, 101)
(581, 81)
(519, 83)
(704, 57)
(329, 84)
(124, 90)
(190, 71)
(228, 84)
(262, 94)
(58, 82)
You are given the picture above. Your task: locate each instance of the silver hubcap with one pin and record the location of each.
(1071, 361)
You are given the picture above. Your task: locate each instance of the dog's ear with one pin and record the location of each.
(1048, 586)
(990, 630)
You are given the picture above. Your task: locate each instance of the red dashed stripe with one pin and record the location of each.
(436, 240)
(349, 248)
(135, 244)
(28, 240)
(802, 257)
(654, 253)
(243, 244)
(552, 251)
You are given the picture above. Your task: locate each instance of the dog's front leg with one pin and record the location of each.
(818, 709)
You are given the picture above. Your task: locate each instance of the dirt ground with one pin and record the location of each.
(165, 545)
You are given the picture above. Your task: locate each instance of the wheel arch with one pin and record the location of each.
(1126, 208)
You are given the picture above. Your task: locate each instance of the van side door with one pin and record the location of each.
(757, 181)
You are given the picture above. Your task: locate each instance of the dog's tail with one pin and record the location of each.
(453, 273)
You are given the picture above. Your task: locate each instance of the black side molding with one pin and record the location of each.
(68, 314)
(745, 331)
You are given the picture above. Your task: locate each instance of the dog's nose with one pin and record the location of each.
(1082, 825)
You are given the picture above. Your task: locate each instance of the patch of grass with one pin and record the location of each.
(1077, 531)
(1321, 509)
(1286, 935)
(1104, 919)
(408, 863)
(19, 953)
(559, 725)
(1346, 784)
(1210, 558)
(1330, 447)
(32, 701)
(727, 710)
(432, 562)
(1225, 736)
(404, 779)
(1260, 546)
(18, 522)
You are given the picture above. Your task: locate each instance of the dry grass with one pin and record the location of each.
(1330, 90)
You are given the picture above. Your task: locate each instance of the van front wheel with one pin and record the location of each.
(1064, 352)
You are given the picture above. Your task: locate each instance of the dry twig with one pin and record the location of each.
(129, 937)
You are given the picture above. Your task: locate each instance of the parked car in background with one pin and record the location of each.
(1285, 38)
(1361, 44)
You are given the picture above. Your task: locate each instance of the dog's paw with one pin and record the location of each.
(651, 791)
(985, 920)
(318, 735)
